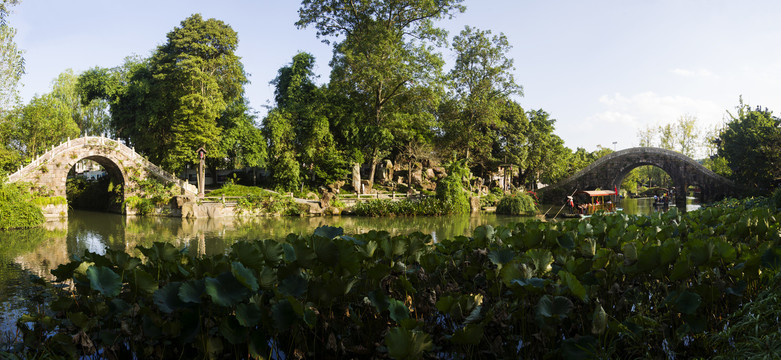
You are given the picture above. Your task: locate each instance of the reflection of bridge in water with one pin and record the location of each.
(610, 170)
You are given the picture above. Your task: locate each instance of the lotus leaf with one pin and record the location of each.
(771, 258)
(190, 291)
(501, 256)
(700, 251)
(234, 332)
(328, 232)
(398, 311)
(542, 260)
(272, 251)
(65, 271)
(379, 300)
(248, 253)
(484, 234)
(245, 276)
(598, 320)
(470, 334)
(225, 290)
(283, 315)
(167, 297)
(685, 302)
(104, 280)
(407, 344)
(549, 306)
(248, 315)
(573, 284)
(326, 250)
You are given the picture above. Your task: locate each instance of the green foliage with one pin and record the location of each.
(50, 200)
(427, 206)
(610, 286)
(257, 199)
(384, 67)
(187, 95)
(750, 144)
(450, 189)
(152, 193)
(100, 195)
(546, 154)
(753, 329)
(478, 119)
(519, 203)
(17, 210)
(776, 198)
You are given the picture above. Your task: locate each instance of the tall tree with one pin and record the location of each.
(547, 157)
(384, 58)
(751, 145)
(301, 101)
(197, 75)
(482, 84)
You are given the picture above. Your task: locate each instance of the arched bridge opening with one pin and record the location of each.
(123, 168)
(609, 171)
(96, 183)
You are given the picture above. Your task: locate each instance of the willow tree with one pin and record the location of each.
(385, 61)
(11, 60)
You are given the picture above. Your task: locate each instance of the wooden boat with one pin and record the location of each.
(595, 200)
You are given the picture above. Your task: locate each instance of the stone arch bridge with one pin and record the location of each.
(49, 171)
(610, 170)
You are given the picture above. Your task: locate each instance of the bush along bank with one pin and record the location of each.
(254, 199)
(17, 207)
(451, 198)
(610, 286)
(519, 203)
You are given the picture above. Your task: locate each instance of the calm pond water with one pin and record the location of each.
(36, 251)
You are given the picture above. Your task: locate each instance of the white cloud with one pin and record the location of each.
(623, 116)
(696, 73)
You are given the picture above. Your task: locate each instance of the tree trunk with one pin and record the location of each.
(409, 178)
(375, 160)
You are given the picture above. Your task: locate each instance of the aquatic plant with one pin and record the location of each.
(610, 286)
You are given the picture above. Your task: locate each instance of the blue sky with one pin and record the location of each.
(603, 68)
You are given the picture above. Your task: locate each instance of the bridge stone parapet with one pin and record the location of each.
(49, 171)
(610, 170)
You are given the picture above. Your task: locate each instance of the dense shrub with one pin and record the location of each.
(519, 203)
(382, 207)
(450, 189)
(17, 210)
(152, 193)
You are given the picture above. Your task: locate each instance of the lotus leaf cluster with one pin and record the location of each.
(610, 286)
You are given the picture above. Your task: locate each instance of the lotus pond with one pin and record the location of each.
(599, 284)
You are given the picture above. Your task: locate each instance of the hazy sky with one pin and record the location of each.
(603, 68)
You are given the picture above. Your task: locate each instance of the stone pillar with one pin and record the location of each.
(357, 177)
(680, 196)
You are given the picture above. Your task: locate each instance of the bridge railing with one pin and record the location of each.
(100, 140)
